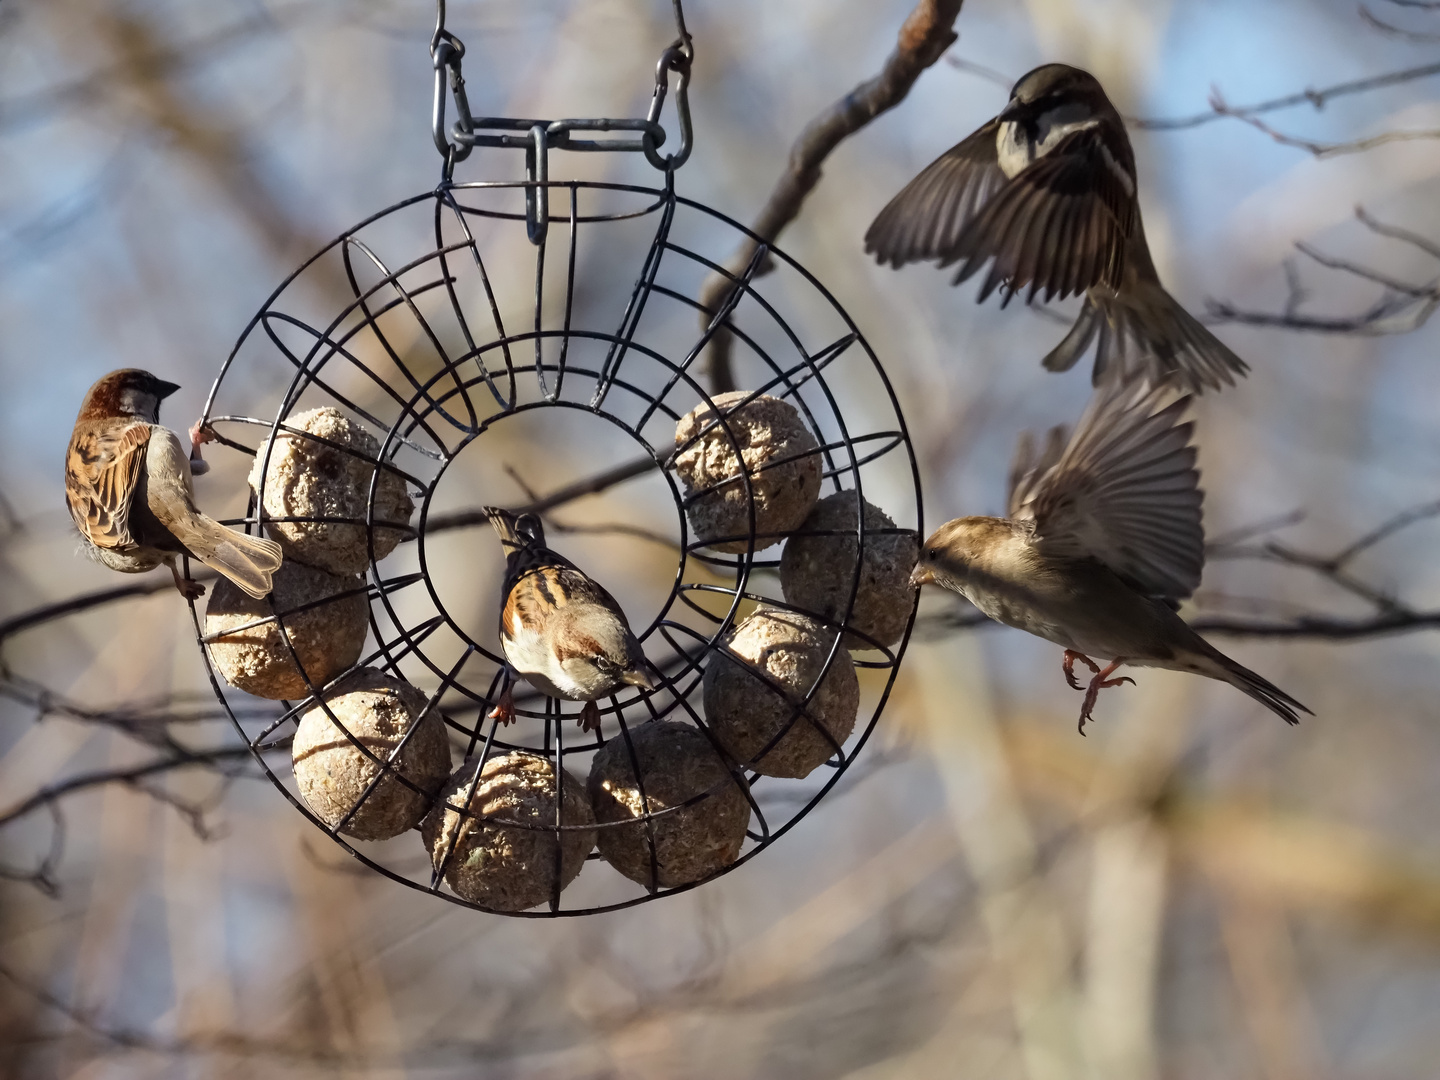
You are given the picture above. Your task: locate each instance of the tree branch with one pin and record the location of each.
(1402, 308)
(923, 39)
(1317, 98)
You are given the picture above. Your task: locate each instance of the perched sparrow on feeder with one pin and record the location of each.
(1102, 543)
(1047, 190)
(560, 630)
(127, 483)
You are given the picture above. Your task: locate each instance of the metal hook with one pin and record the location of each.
(537, 195)
(676, 58)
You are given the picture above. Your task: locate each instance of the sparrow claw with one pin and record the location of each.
(190, 590)
(504, 710)
(1069, 665)
(1101, 681)
(200, 433)
(590, 717)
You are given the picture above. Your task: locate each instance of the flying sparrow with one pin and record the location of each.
(127, 483)
(1047, 190)
(560, 630)
(1102, 543)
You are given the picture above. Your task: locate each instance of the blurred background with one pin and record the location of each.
(1192, 891)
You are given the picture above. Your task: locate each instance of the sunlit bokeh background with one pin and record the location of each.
(1192, 891)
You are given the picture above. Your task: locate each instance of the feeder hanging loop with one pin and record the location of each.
(676, 58)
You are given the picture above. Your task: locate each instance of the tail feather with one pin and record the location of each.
(249, 561)
(1152, 336)
(1221, 667)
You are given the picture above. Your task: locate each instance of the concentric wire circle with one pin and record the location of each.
(439, 326)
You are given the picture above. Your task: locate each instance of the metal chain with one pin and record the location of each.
(537, 137)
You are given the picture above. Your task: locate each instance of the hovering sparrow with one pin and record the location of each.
(127, 483)
(560, 630)
(1047, 190)
(1102, 543)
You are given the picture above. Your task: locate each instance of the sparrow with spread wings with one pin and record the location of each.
(1046, 192)
(559, 629)
(1102, 542)
(128, 487)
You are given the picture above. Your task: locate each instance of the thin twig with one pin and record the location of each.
(54, 792)
(923, 39)
(1312, 146)
(1403, 307)
(1317, 98)
(1416, 37)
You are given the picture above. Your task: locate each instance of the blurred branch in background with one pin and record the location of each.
(1403, 307)
(923, 39)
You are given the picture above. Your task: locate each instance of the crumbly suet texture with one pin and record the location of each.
(311, 479)
(766, 430)
(332, 773)
(328, 638)
(746, 712)
(509, 867)
(676, 763)
(817, 572)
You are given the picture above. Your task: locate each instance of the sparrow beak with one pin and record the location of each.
(163, 389)
(921, 575)
(1012, 110)
(638, 677)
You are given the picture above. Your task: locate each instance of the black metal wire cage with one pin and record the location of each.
(439, 324)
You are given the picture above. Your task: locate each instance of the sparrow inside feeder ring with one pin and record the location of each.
(452, 348)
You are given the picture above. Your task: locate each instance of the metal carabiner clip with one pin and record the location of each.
(676, 58)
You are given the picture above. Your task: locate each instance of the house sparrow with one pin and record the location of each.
(127, 483)
(1047, 190)
(1102, 543)
(560, 630)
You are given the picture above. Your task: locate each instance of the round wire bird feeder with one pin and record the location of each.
(484, 360)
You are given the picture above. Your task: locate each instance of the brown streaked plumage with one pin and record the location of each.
(1046, 193)
(1103, 541)
(128, 488)
(559, 628)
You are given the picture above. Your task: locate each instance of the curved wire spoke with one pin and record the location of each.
(437, 341)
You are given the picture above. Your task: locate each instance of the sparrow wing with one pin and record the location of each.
(1061, 224)
(102, 474)
(926, 219)
(1030, 465)
(1126, 493)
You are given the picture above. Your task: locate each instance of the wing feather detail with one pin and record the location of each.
(1125, 491)
(931, 212)
(102, 475)
(1078, 192)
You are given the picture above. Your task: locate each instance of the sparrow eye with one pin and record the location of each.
(933, 554)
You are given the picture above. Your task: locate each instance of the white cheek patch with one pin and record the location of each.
(1013, 152)
(1126, 181)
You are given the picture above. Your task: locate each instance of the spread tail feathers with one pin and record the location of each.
(1145, 334)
